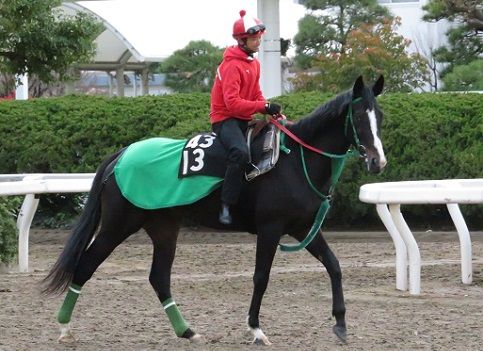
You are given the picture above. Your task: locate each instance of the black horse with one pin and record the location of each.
(283, 201)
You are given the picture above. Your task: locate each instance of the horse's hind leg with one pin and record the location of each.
(106, 241)
(321, 251)
(163, 231)
(119, 220)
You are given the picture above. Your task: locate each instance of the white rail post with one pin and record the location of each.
(401, 252)
(24, 220)
(412, 247)
(269, 55)
(465, 243)
(450, 192)
(22, 90)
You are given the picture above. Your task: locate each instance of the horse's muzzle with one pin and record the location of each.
(375, 163)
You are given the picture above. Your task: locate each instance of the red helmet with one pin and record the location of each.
(247, 27)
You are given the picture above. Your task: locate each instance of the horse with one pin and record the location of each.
(281, 202)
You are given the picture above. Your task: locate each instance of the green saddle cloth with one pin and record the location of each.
(147, 175)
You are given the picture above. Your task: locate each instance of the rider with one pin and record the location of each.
(235, 98)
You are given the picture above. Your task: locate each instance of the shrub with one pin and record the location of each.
(425, 136)
(74, 133)
(8, 230)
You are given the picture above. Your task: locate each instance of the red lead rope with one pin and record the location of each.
(280, 126)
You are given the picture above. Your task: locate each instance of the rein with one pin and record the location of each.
(337, 163)
(349, 119)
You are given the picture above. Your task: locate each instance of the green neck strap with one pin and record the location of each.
(319, 219)
(337, 166)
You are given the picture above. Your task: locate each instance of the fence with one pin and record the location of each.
(389, 197)
(31, 185)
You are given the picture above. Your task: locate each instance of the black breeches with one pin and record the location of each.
(231, 133)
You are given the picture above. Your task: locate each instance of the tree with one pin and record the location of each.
(371, 50)
(325, 29)
(425, 47)
(464, 39)
(284, 46)
(193, 68)
(465, 77)
(37, 38)
(465, 11)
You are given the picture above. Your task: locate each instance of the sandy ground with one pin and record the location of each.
(212, 285)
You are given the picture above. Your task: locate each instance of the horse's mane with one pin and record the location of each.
(309, 125)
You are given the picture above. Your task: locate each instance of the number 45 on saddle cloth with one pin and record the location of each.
(161, 172)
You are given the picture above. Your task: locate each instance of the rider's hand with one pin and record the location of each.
(272, 108)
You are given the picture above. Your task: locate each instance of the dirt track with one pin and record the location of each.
(212, 285)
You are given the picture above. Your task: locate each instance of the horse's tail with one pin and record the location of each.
(61, 274)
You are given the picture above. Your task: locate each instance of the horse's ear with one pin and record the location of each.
(378, 85)
(358, 87)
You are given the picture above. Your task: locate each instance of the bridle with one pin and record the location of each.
(350, 119)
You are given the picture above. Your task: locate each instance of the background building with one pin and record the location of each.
(424, 36)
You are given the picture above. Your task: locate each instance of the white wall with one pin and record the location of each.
(424, 36)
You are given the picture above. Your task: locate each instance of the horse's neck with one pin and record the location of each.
(328, 137)
(323, 132)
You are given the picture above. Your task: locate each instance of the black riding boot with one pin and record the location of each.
(232, 135)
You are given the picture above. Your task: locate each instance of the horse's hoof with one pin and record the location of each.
(197, 339)
(341, 333)
(66, 336)
(261, 341)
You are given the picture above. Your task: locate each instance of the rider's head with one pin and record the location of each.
(248, 33)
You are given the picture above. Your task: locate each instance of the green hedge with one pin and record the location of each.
(426, 136)
(8, 229)
(73, 134)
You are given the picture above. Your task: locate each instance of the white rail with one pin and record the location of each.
(389, 197)
(31, 185)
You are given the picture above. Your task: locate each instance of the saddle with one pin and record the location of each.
(264, 155)
(203, 154)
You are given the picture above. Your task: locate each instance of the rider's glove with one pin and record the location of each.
(272, 108)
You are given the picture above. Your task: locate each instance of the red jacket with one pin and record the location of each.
(236, 90)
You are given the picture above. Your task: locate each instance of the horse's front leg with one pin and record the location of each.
(163, 231)
(267, 241)
(321, 251)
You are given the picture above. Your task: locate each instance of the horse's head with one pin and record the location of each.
(366, 122)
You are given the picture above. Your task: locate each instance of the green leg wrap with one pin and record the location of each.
(67, 307)
(175, 317)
